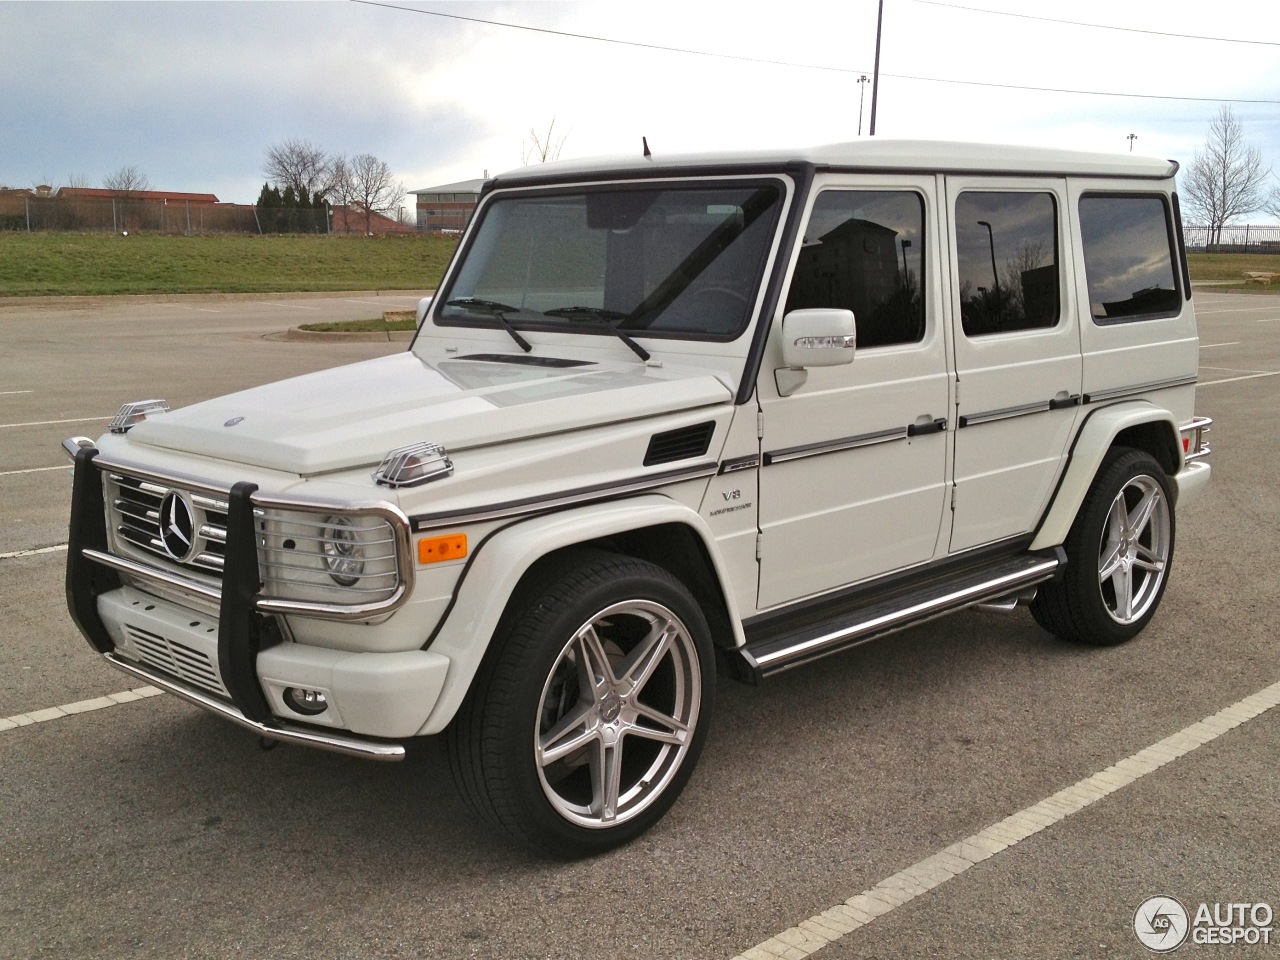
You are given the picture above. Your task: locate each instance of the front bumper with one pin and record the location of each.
(233, 665)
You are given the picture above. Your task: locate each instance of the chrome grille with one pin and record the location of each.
(176, 659)
(135, 514)
(328, 559)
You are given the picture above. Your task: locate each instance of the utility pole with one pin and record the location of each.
(1132, 137)
(875, 85)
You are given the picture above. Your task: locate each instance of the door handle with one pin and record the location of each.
(921, 429)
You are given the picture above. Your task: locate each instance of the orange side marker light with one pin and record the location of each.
(452, 546)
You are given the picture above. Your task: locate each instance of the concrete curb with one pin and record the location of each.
(316, 336)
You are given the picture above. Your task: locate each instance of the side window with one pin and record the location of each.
(1007, 257)
(1128, 257)
(864, 251)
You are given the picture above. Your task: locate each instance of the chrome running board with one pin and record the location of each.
(851, 627)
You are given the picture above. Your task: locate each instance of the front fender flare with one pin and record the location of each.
(503, 559)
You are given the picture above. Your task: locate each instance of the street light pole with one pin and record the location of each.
(1132, 137)
(995, 277)
(875, 85)
(862, 92)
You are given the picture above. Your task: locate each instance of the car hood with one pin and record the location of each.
(352, 416)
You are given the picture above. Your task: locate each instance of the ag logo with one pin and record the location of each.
(1161, 924)
(177, 526)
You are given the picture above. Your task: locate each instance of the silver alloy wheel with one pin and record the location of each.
(1135, 547)
(617, 714)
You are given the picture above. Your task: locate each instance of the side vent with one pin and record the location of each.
(679, 444)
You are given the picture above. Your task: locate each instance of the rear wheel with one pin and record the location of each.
(1119, 553)
(587, 720)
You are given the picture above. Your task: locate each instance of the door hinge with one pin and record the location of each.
(759, 424)
(953, 498)
(759, 544)
(957, 393)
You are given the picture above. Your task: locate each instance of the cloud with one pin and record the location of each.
(194, 93)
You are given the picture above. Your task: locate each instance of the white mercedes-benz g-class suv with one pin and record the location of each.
(666, 419)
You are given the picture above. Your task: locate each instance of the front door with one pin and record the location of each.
(854, 459)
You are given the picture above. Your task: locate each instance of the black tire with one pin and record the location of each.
(1118, 558)
(532, 746)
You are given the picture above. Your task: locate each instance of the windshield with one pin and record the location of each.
(648, 260)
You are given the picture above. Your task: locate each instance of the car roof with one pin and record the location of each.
(932, 156)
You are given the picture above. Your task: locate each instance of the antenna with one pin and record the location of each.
(645, 142)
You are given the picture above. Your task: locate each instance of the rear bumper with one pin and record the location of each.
(1191, 481)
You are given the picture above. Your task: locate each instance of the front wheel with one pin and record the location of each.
(589, 716)
(1119, 553)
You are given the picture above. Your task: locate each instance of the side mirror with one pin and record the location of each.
(423, 306)
(820, 337)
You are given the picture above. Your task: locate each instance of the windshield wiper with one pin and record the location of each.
(601, 316)
(496, 310)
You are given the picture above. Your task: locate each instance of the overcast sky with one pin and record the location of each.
(194, 93)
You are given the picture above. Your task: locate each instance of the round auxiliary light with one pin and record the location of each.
(309, 703)
(340, 547)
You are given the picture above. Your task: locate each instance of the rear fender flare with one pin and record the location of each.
(1091, 445)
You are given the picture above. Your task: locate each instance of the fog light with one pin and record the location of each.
(309, 703)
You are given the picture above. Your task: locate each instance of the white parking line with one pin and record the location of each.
(35, 552)
(1230, 343)
(10, 393)
(81, 706)
(45, 423)
(839, 921)
(14, 473)
(1214, 311)
(1252, 376)
(1270, 320)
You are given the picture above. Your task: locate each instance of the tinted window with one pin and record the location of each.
(1128, 257)
(863, 251)
(1007, 257)
(658, 259)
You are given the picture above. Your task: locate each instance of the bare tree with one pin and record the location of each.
(1273, 202)
(340, 186)
(1226, 179)
(541, 148)
(299, 164)
(372, 188)
(127, 182)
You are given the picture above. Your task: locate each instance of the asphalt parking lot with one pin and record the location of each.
(144, 828)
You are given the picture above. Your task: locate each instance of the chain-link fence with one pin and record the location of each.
(118, 214)
(1246, 238)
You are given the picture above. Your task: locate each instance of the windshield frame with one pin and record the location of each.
(773, 216)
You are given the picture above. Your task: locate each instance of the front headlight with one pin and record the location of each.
(321, 557)
(342, 552)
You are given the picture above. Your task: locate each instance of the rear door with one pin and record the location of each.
(1017, 352)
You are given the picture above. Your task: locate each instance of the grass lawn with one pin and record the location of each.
(1226, 270)
(380, 325)
(69, 264)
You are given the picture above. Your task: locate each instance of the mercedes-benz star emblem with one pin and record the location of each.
(177, 526)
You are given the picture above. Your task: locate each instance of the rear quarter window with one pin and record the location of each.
(1128, 257)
